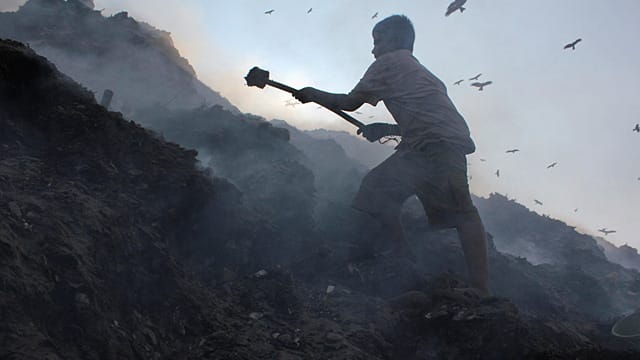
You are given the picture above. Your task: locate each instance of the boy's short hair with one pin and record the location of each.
(398, 28)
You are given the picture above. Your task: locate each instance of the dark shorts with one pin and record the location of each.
(437, 175)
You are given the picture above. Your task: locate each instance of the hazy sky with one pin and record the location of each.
(576, 108)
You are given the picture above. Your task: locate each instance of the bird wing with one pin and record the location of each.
(487, 83)
(451, 8)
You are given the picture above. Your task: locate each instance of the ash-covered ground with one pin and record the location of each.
(117, 243)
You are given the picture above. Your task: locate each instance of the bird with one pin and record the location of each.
(572, 45)
(308, 11)
(374, 15)
(483, 160)
(537, 202)
(575, 210)
(476, 77)
(481, 85)
(637, 128)
(458, 82)
(513, 151)
(358, 112)
(455, 5)
(268, 12)
(498, 173)
(605, 231)
(552, 165)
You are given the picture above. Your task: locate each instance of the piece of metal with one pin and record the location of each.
(107, 96)
(628, 326)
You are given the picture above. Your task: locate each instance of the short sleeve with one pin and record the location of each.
(372, 85)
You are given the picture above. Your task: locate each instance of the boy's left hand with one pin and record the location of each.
(306, 95)
(376, 131)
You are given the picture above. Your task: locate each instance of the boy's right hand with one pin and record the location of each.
(376, 131)
(306, 95)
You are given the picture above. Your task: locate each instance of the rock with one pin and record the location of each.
(15, 209)
(260, 273)
(333, 337)
(82, 298)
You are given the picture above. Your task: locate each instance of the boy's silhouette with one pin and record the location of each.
(430, 162)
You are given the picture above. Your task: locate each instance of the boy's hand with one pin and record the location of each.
(306, 95)
(376, 131)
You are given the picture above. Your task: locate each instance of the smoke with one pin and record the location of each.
(11, 5)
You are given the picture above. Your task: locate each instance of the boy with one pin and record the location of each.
(430, 162)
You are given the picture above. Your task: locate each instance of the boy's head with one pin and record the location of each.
(393, 33)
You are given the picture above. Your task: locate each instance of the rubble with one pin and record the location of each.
(140, 248)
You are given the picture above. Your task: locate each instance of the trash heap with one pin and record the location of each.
(117, 243)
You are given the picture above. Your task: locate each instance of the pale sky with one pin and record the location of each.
(576, 108)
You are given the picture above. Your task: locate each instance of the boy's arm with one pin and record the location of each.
(346, 102)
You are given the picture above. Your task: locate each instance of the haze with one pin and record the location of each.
(576, 108)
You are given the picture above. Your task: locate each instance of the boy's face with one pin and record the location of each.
(382, 44)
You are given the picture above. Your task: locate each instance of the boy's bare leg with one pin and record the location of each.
(474, 244)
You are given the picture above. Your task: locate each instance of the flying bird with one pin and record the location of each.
(637, 128)
(513, 151)
(454, 6)
(476, 77)
(575, 210)
(308, 11)
(375, 15)
(605, 231)
(458, 82)
(552, 165)
(483, 160)
(481, 85)
(268, 12)
(572, 45)
(498, 173)
(537, 202)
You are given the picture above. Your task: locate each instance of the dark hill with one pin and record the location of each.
(134, 59)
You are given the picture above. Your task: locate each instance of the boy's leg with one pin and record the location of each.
(381, 195)
(375, 233)
(474, 244)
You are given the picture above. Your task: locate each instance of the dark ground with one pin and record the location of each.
(115, 245)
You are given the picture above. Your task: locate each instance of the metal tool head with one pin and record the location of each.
(257, 77)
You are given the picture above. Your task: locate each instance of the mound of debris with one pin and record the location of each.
(91, 206)
(117, 244)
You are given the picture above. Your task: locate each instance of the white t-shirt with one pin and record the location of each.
(417, 99)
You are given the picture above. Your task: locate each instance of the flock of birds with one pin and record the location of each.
(458, 5)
